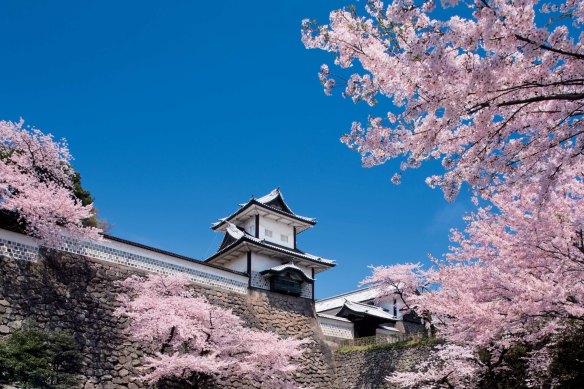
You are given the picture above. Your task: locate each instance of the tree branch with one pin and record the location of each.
(561, 96)
(549, 48)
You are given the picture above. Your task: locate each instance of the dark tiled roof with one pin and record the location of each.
(288, 267)
(240, 237)
(274, 201)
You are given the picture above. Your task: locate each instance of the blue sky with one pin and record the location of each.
(177, 111)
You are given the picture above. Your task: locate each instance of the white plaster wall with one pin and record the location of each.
(238, 264)
(277, 229)
(389, 303)
(249, 226)
(261, 262)
(305, 269)
(336, 328)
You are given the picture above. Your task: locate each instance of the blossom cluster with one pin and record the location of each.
(36, 184)
(194, 338)
(498, 97)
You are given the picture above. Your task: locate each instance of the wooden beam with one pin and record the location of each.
(249, 269)
(312, 284)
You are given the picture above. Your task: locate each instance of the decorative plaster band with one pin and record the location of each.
(24, 248)
(336, 328)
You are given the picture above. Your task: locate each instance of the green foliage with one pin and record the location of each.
(426, 341)
(85, 197)
(507, 371)
(568, 366)
(510, 370)
(10, 220)
(31, 357)
(81, 193)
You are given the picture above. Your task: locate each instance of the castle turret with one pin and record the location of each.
(260, 238)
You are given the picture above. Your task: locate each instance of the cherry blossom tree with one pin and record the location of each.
(405, 281)
(451, 366)
(495, 92)
(36, 184)
(497, 98)
(194, 339)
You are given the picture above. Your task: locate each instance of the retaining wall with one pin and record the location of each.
(369, 369)
(66, 291)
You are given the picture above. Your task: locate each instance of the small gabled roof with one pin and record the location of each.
(275, 199)
(333, 317)
(272, 203)
(337, 301)
(290, 266)
(369, 293)
(388, 328)
(234, 238)
(363, 310)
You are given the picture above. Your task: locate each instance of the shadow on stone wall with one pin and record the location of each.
(369, 369)
(64, 291)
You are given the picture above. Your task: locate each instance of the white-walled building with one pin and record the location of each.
(259, 251)
(260, 239)
(359, 314)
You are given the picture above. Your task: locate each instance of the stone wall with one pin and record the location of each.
(368, 369)
(64, 291)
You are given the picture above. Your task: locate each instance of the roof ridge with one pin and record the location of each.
(365, 305)
(305, 219)
(346, 293)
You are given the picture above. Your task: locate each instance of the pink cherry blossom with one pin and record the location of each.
(35, 183)
(498, 97)
(195, 338)
(451, 366)
(477, 93)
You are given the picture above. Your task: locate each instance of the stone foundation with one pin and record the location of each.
(63, 291)
(369, 369)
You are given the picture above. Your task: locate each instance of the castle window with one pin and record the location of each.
(287, 283)
(284, 238)
(268, 233)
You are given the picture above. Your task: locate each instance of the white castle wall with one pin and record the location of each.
(25, 248)
(277, 229)
(22, 247)
(336, 328)
(261, 262)
(249, 226)
(238, 264)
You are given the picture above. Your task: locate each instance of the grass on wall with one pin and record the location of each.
(381, 346)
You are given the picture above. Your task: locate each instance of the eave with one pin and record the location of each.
(289, 267)
(246, 243)
(358, 311)
(255, 207)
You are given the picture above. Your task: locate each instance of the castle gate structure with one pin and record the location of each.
(258, 271)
